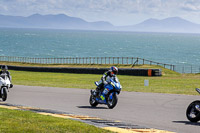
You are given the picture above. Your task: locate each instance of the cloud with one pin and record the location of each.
(114, 6)
(3, 8)
(118, 12)
(191, 6)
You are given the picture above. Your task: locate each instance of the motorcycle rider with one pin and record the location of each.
(4, 70)
(106, 78)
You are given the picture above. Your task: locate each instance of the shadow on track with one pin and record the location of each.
(187, 123)
(90, 107)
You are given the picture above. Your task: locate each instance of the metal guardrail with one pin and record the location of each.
(101, 60)
(187, 69)
(86, 60)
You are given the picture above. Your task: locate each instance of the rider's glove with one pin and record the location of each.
(11, 85)
(105, 82)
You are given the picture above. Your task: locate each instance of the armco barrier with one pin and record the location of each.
(122, 71)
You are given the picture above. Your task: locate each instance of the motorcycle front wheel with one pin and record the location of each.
(192, 113)
(4, 95)
(112, 100)
(92, 101)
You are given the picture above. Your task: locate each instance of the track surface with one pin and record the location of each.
(160, 111)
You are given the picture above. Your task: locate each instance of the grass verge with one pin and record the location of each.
(25, 121)
(170, 82)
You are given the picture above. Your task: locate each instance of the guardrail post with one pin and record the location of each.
(199, 69)
(132, 61)
(118, 60)
(171, 67)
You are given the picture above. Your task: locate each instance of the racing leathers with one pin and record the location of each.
(104, 80)
(7, 73)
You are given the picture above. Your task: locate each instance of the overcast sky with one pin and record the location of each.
(117, 12)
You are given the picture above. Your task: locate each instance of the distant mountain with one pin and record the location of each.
(173, 24)
(59, 21)
(62, 21)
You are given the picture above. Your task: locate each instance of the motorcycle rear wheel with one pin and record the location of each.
(92, 101)
(192, 113)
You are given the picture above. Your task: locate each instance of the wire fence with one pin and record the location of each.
(187, 69)
(101, 60)
(86, 60)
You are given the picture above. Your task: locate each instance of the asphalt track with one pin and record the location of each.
(160, 111)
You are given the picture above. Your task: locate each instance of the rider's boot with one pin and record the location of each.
(11, 85)
(98, 90)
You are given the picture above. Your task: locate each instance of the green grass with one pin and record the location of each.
(170, 82)
(25, 121)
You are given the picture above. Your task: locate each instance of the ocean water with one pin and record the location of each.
(171, 48)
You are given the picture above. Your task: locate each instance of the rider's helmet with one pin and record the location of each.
(4, 68)
(114, 70)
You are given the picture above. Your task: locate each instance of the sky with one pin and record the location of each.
(117, 12)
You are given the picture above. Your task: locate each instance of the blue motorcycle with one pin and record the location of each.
(109, 94)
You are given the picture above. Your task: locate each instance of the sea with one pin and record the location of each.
(170, 48)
